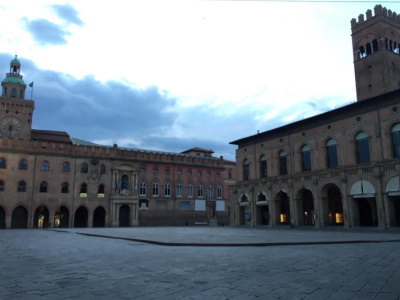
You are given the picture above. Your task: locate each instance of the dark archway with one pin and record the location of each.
(41, 217)
(124, 213)
(282, 208)
(262, 208)
(397, 211)
(335, 207)
(366, 212)
(81, 217)
(61, 217)
(308, 207)
(2, 218)
(19, 218)
(99, 217)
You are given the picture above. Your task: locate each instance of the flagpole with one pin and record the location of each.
(31, 86)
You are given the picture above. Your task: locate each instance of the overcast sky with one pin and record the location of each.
(172, 75)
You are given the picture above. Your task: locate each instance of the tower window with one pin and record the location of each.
(13, 92)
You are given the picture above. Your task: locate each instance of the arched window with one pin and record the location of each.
(142, 189)
(368, 48)
(210, 192)
(374, 45)
(64, 188)
(155, 189)
(100, 190)
(102, 169)
(396, 140)
(282, 163)
(246, 169)
(83, 189)
(179, 190)
(190, 191)
(362, 148)
(43, 187)
(125, 182)
(21, 186)
(362, 52)
(306, 158)
(23, 165)
(219, 192)
(200, 191)
(263, 166)
(84, 168)
(167, 190)
(1, 185)
(65, 167)
(13, 92)
(3, 163)
(45, 165)
(331, 154)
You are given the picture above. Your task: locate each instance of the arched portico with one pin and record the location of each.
(332, 206)
(244, 209)
(19, 218)
(364, 203)
(2, 218)
(282, 208)
(61, 217)
(41, 217)
(262, 209)
(393, 201)
(99, 217)
(305, 207)
(81, 217)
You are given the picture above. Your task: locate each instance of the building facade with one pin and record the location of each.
(339, 168)
(49, 179)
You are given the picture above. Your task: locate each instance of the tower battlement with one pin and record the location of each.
(378, 11)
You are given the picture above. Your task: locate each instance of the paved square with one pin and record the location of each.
(48, 264)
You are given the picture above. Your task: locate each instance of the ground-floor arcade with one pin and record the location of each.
(356, 204)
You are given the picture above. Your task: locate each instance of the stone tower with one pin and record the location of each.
(15, 111)
(376, 41)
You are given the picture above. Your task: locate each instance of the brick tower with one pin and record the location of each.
(15, 111)
(376, 42)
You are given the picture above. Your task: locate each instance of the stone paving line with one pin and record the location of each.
(49, 264)
(240, 236)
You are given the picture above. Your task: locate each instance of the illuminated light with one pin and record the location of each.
(339, 218)
(283, 218)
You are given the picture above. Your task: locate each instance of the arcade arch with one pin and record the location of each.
(262, 209)
(364, 202)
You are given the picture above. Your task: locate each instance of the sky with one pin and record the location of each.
(172, 75)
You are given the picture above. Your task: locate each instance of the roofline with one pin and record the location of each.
(325, 117)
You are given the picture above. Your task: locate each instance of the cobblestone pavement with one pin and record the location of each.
(49, 264)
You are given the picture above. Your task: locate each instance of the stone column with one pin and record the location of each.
(8, 220)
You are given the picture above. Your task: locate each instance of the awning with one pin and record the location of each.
(362, 189)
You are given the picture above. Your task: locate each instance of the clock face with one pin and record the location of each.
(10, 126)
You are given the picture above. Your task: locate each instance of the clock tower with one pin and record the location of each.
(15, 111)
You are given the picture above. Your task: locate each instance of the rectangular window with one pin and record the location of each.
(263, 169)
(208, 174)
(142, 170)
(189, 173)
(178, 190)
(396, 143)
(179, 172)
(362, 151)
(306, 160)
(332, 156)
(190, 191)
(184, 205)
(282, 165)
(155, 171)
(167, 172)
(198, 173)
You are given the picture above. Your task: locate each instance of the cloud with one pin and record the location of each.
(45, 32)
(68, 13)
